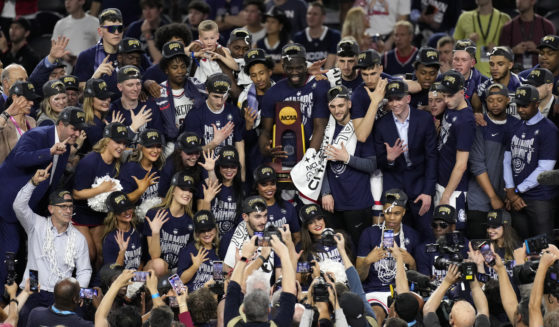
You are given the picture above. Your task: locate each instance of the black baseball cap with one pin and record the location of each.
(204, 220)
(264, 173)
(354, 309)
(406, 306)
(280, 15)
(539, 76)
(129, 45)
(118, 202)
(496, 88)
(255, 56)
(172, 49)
(74, 116)
(128, 72)
(151, 137)
(116, 132)
(97, 88)
(25, 89)
(446, 213)
(70, 82)
(395, 197)
(111, 14)
(428, 57)
(309, 212)
(339, 91)
(525, 95)
(347, 48)
(293, 50)
(189, 142)
(57, 197)
(466, 45)
(396, 89)
(497, 218)
(549, 41)
(183, 180)
(240, 34)
(502, 51)
(452, 82)
(254, 203)
(23, 22)
(218, 83)
(228, 156)
(368, 58)
(199, 5)
(53, 87)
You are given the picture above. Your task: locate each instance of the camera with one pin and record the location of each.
(551, 283)
(217, 288)
(420, 283)
(535, 245)
(269, 232)
(10, 262)
(525, 273)
(450, 246)
(320, 290)
(327, 237)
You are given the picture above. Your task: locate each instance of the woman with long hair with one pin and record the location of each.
(280, 212)
(169, 227)
(196, 260)
(122, 242)
(224, 196)
(278, 31)
(54, 101)
(501, 234)
(103, 161)
(355, 25)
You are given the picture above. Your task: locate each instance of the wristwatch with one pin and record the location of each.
(244, 259)
(6, 115)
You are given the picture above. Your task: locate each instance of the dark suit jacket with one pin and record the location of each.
(421, 176)
(31, 152)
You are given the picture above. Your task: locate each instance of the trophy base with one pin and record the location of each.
(283, 174)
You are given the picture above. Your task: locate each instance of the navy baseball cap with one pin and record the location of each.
(25, 89)
(525, 95)
(367, 59)
(452, 82)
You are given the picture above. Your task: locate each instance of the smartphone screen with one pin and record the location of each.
(177, 284)
(140, 276)
(218, 270)
(478, 243)
(88, 293)
(260, 238)
(303, 267)
(488, 255)
(33, 280)
(388, 239)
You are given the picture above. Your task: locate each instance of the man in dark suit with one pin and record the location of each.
(405, 144)
(36, 149)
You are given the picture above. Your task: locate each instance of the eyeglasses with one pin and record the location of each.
(114, 28)
(442, 225)
(65, 206)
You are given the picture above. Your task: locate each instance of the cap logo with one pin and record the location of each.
(445, 210)
(431, 54)
(32, 88)
(362, 56)
(310, 209)
(521, 92)
(394, 195)
(69, 79)
(80, 115)
(288, 115)
(120, 199)
(202, 217)
(102, 85)
(535, 73)
(266, 171)
(394, 85)
(292, 48)
(548, 38)
(152, 135)
(221, 83)
(252, 53)
(254, 201)
(174, 45)
(121, 129)
(192, 139)
(450, 79)
(133, 43)
(187, 178)
(229, 153)
(492, 215)
(61, 194)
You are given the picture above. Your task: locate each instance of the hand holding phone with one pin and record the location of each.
(88, 293)
(388, 239)
(33, 280)
(217, 273)
(140, 276)
(177, 284)
(488, 255)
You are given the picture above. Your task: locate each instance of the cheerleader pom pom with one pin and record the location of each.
(147, 204)
(331, 266)
(98, 202)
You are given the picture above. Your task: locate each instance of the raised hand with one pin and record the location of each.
(147, 181)
(122, 243)
(106, 68)
(425, 203)
(158, 221)
(221, 134)
(250, 118)
(59, 148)
(337, 154)
(393, 152)
(316, 67)
(19, 106)
(140, 119)
(378, 93)
(200, 258)
(375, 255)
(328, 203)
(58, 48)
(211, 190)
(41, 175)
(209, 160)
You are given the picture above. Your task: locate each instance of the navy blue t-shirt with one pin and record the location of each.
(350, 187)
(273, 52)
(133, 168)
(353, 84)
(167, 172)
(457, 134)
(312, 97)
(155, 122)
(383, 272)
(154, 73)
(321, 47)
(174, 235)
(322, 253)
(279, 216)
(528, 145)
(224, 208)
(205, 271)
(199, 120)
(133, 254)
(89, 168)
(360, 100)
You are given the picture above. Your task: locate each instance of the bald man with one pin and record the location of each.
(462, 314)
(66, 299)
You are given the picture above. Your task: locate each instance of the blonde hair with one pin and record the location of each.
(46, 108)
(215, 243)
(88, 109)
(111, 223)
(166, 203)
(207, 25)
(353, 25)
(404, 23)
(100, 147)
(137, 156)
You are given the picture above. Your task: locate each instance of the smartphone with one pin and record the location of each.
(388, 238)
(482, 278)
(488, 255)
(173, 303)
(477, 243)
(33, 280)
(260, 238)
(303, 267)
(88, 293)
(140, 276)
(177, 284)
(217, 273)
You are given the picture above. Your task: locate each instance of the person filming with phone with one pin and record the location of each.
(375, 263)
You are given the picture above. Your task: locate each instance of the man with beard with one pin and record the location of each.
(255, 218)
(501, 61)
(301, 87)
(486, 189)
(345, 73)
(548, 57)
(19, 51)
(463, 61)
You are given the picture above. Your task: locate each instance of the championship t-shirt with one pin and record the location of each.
(183, 105)
(205, 271)
(224, 208)
(281, 215)
(133, 254)
(133, 168)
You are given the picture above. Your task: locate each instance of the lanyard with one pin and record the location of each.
(488, 30)
(62, 312)
(18, 129)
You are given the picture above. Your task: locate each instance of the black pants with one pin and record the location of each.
(475, 225)
(352, 221)
(538, 217)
